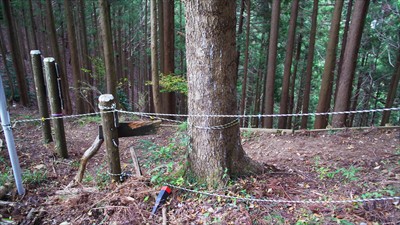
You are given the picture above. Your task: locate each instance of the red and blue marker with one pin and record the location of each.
(161, 198)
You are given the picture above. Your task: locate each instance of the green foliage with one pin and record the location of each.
(347, 174)
(5, 177)
(173, 83)
(83, 121)
(34, 177)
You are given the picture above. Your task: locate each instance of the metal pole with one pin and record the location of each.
(5, 123)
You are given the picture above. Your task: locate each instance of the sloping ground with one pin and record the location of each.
(312, 166)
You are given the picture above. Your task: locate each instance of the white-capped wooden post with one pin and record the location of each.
(55, 106)
(37, 69)
(110, 133)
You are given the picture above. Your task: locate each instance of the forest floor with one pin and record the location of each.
(341, 165)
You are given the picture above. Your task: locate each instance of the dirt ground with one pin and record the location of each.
(341, 165)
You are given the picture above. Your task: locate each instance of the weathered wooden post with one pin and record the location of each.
(110, 132)
(37, 68)
(55, 106)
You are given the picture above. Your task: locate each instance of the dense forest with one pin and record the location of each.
(293, 57)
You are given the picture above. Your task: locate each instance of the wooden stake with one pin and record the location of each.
(135, 162)
(37, 69)
(110, 132)
(55, 105)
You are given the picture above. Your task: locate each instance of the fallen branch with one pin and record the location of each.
(89, 153)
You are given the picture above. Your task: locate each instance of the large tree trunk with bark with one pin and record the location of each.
(330, 59)
(271, 68)
(214, 154)
(350, 62)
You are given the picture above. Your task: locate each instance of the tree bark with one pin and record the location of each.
(56, 52)
(350, 62)
(215, 155)
(76, 72)
(168, 98)
(394, 83)
(105, 25)
(327, 76)
(309, 66)
(85, 57)
(271, 68)
(343, 46)
(154, 56)
(293, 81)
(283, 106)
(16, 54)
(246, 63)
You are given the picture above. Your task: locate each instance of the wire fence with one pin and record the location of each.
(166, 117)
(162, 116)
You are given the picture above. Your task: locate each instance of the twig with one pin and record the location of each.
(164, 215)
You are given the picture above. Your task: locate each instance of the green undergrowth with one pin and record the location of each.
(166, 163)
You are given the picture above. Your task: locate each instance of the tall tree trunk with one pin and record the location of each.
(350, 61)
(85, 57)
(76, 73)
(56, 53)
(283, 106)
(309, 66)
(168, 102)
(394, 83)
(327, 76)
(32, 28)
(16, 54)
(246, 63)
(105, 25)
(343, 46)
(4, 59)
(271, 68)
(216, 155)
(154, 57)
(160, 14)
(293, 81)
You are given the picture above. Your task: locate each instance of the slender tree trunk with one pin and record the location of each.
(160, 14)
(7, 70)
(310, 63)
(350, 61)
(169, 101)
(271, 68)
(293, 81)
(105, 25)
(288, 64)
(16, 54)
(76, 73)
(85, 57)
(32, 29)
(246, 63)
(56, 52)
(154, 56)
(327, 76)
(394, 83)
(215, 155)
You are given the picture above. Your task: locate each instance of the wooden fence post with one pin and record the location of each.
(110, 133)
(37, 68)
(55, 106)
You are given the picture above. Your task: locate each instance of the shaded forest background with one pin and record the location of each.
(286, 48)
